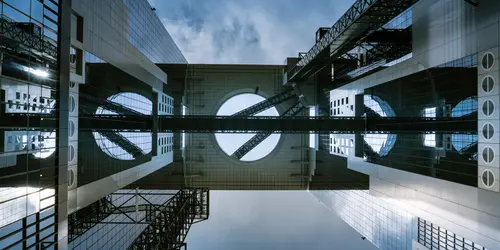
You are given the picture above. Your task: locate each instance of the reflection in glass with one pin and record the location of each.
(379, 143)
(461, 142)
(141, 140)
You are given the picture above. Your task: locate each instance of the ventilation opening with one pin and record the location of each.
(487, 84)
(487, 61)
(488, 131)
(488, 178)
(488, 154)
(71, 177)
(488, 108)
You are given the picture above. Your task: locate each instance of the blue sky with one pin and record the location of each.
(237, 31)
(257, 32)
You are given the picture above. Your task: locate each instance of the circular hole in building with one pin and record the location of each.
(487, 84)
(72, 84)
(488, 178)
(488, 131)
(72, 104)
(71, 153)
(136, 144)
(71, 128)
(488, 107)
(488, 154)
(230, 143)
(487, 61)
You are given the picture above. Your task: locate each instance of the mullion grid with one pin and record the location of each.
(434, 237)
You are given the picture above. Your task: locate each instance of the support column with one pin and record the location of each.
(489, 119)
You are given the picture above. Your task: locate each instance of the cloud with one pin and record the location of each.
(259, 32)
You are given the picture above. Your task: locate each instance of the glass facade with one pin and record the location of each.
(149, 36)
(435, 237)
(29, 82)
(448, 90)
(383, 224)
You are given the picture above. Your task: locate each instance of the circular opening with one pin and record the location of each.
(72, 104)
(137, 143)
(71, 177)
(488, 178)
(488, 154)
(488, 108)
(487, 61)
(71, 129)
(231, 142)
(71, 153)
(72, 84)
(487, 84)
(488, 131)
(380, 143)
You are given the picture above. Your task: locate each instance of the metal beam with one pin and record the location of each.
(298, 124)
(472, 2)
(361, 18)
(109, 105)
(172, 222)
(13, 34)
(261, 136)
(268, 103)
(123, 143)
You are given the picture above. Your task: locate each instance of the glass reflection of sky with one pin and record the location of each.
(380, 143)
(465, 107)
(19, 202)
(383, 224)
(138, 103)
(229, 142)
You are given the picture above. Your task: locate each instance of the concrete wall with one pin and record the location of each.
(207, 87)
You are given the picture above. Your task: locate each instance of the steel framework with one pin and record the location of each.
(172, 222)
(261, 136)
(269, 102)
(109, 105)
(167, 223)
(363, 17)
(10, 31)
(123, 143)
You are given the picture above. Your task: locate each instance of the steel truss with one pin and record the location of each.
(10, 31)
(261, 136)
(109, 105)
(361, 18)
(172, 222)
(86, 218)
(168, 223)
(269, 102)
(123, 143)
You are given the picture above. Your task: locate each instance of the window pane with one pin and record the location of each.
(15, 15)
(22, 5)
(37, 10)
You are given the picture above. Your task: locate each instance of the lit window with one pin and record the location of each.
(430, 139)
(312, 135)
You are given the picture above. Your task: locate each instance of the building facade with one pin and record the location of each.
(60, 61)
(445, 184)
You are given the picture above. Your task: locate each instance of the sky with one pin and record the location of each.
(257, 32)
(248, 32)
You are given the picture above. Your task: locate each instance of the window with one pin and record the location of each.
(430, 139)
